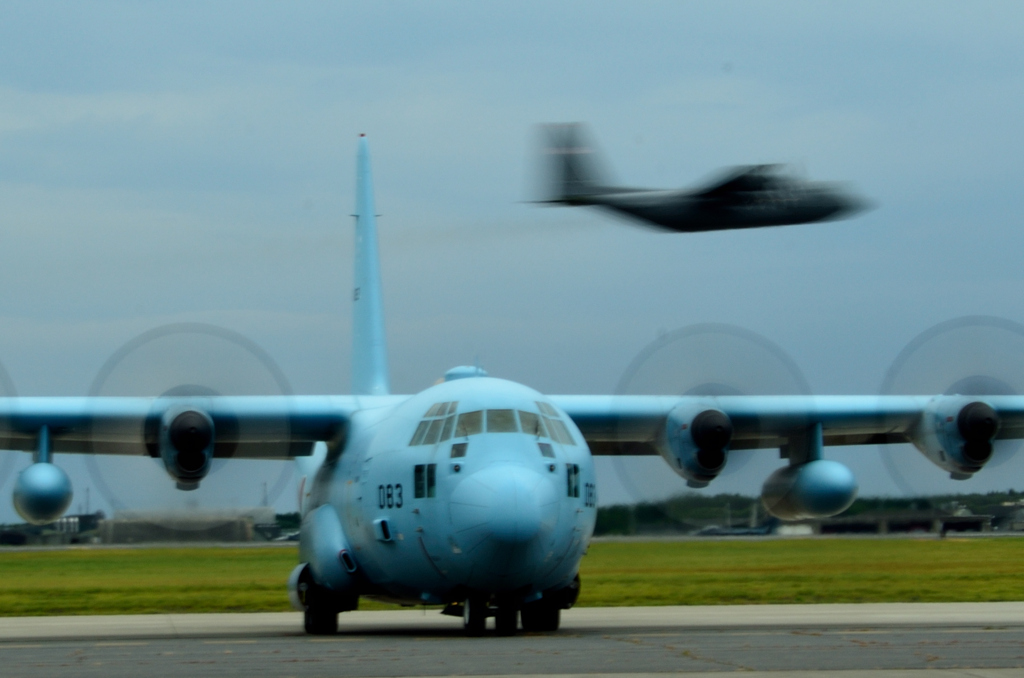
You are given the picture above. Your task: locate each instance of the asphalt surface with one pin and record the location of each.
(805, 641)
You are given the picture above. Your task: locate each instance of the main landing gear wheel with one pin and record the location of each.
(474, 616)
(321, 620)
(506, 619)
(540, 616)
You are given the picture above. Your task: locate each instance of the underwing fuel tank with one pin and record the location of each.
(42, 493)
(815, 489)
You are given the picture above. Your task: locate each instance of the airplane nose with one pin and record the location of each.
(846, 203)
(507, 504)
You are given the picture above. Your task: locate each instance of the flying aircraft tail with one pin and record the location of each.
(369, 344)
(573, 169)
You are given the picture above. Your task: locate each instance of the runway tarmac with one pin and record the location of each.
(806, 641)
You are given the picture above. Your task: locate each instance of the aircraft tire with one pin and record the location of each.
(320, 620)
(506, 620)
(540, 616)
(474, 616)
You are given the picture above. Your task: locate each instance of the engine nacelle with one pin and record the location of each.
(42, 493)
(956, 434)
(186, 446)
(323, 546)
(696, 443)
(815, 489)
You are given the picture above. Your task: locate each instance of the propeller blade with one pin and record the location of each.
(971, 355)
(704, 359)
(181, 360)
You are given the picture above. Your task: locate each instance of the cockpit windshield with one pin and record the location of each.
(441, 423)
(501, 421)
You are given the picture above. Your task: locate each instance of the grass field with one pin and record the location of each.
(113, 581)
(804, 571)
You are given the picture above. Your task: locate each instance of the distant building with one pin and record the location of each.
(137, 527)
(140, 527)
(73, 529)
(909, 521)
(1007, 516)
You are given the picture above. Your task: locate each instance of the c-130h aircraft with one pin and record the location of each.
(477, 493)
(751, 196)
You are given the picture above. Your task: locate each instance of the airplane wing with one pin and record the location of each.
(695, 434)
(626, 425)
(740, 181)
(185, 432)
(244, 427)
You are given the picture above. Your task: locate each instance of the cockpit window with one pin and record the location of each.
(547, 409)
(425, 481)
(470, 423)
(559, 431)
(441, 424)
(555, 433)
(446, 431)
(532, 424)
(421, 430)
(442, 409)
(459, 450)
(433, 432)
(501, 421)
(546, 450)
(573, 480)
(433, 428)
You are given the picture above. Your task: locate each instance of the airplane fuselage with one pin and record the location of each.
(686, 211)
(473, 486)
(742, 197)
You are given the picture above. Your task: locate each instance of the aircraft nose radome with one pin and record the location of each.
(845, 203)
(507, 504)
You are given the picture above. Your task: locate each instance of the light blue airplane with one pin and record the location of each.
(477, 493)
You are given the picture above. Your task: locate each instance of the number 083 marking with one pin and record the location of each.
(389, 496)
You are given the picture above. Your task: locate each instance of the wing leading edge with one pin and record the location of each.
(635, 424)
(246, 427)
(695, 434)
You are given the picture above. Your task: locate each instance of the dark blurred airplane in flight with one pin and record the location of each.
(742, 197)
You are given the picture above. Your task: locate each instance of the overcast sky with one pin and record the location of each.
(194, 162)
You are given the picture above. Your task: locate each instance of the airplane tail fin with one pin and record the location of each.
(572, 166)
(369, 344)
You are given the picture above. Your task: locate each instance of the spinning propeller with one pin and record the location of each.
(711, 360)
(189, 362)
(972, 355)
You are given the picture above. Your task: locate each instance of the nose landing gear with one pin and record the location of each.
(476, 610)
(542, 616)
